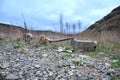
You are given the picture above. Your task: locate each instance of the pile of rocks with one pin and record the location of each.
(52, 64)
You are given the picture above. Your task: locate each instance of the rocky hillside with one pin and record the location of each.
(106, 29)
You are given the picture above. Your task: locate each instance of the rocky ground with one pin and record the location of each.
(26, 62)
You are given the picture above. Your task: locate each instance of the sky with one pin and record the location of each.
(45, 14)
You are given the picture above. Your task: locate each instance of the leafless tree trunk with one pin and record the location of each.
(79, 26)
(25, 26)
(67, 27)
(61, 23)
(74, 27)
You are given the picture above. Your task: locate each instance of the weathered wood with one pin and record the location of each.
(64, 39)
(83, 45)
(42, 39)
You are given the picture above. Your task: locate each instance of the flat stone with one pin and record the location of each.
(40, 75)
(36, 65)
(70, 73)
(60, 49)
(117, 69)
(69, 51)
(111, 71)
(115, 61)
(11, 77)
(72, 66)
(51, 73)
(107, 65)
(44, 55)
(104, 69)
(5, 65)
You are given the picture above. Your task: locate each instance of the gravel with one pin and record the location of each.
(28, 63)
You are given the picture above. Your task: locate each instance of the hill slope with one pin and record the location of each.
(10, 31)
(13, 32)
(106, 29)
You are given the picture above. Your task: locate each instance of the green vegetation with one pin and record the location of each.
(105, 50)
(108, 47)
(44, 48)
(76, 62)
(17, 45)
(116, 64)
(2, 42)
(113, 52)
(115, 78)
(68, 47)
(65, 55)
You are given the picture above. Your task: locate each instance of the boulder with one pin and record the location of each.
(28, 37)
(83, 45)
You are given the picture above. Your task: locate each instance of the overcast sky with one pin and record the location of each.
(44, 14)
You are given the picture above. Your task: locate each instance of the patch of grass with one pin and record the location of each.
(44, 48)
(76, 62)
(22, 51)
(65, 55)
(109, 49)
(115, 78)
(76, 52)
(92, 54)
(102, 47)
(115, 64)
(17, 46)
(84, 63)
(68, 47)
(2, 42)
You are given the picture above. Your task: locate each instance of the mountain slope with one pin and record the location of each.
(106, 29)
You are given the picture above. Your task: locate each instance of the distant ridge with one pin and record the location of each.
(12, 31)
(106, 29)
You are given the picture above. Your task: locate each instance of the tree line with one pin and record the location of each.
(68, 27)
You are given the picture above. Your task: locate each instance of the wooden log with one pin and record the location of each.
(60, 40)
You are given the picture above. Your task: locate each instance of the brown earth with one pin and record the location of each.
(105, 30)
(12, 32)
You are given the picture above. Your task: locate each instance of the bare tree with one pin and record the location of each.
(61, 23)
(79, 26)
(25, 26)
(67, 27)
(74, 27)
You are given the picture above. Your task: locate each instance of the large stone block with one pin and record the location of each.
(83, 45)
